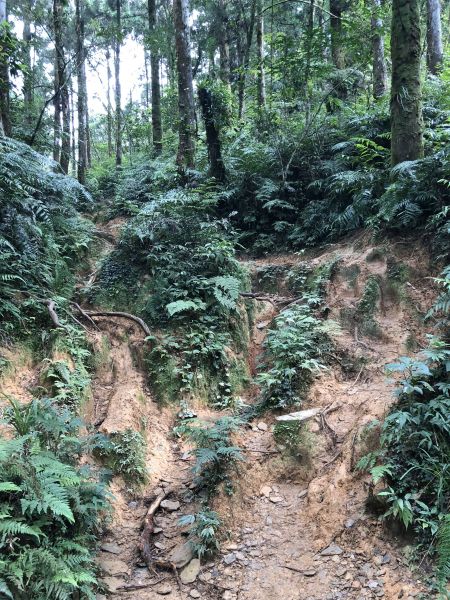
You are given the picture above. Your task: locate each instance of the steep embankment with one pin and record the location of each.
(298, 528)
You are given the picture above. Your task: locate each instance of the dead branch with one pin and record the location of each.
(51, 309)
(144, 542)
(85, 315)
(104, 235)
(124, 315)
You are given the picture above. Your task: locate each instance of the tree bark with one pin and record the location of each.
(5, 120)
(406, 101)
(379, 71)
(109, 118)
(261, 85)
(186, 107)
(337, 49)
(61, 151)
(117, 88)
(27, 73)
(245, 56)
(81, 103)
(435, 50)
(154, 75)
(224, 46)
(217, 169)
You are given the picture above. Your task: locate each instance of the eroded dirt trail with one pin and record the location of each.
(299, 530)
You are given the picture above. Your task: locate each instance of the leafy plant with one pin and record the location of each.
(203, 533)
(51, 509)
(215, 455)
(124, 453)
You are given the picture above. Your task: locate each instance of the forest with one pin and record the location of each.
(224, 299)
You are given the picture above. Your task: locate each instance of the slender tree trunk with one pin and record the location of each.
(61, 151)
(109, 118)
(406, 101)
(224, 46)
(154, 74)
(337, 49)
(435, 50)
(217, 169)
(5, 119)
(117, 88)
(261, 84)
(379, 70)
(186, 107)
(86, 111)
(81, 103)
(245, 54)
(27, 73)
(73, 146)
(308, 44)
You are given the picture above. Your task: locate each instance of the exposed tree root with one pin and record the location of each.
(142, 324)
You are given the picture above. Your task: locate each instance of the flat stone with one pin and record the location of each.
(276, 499)
(113, 566)
(181, 555)
(110, 547)
(269, 521)
(262, 426)
(170, 505)
(266, 490)
(332, 550)
(229, 559)
(164, 590)
(372, 584)
(262, 324)
(159, 546)
(227, 595)
(195, 594)
(190, 572)
(112, 583)
(310, 573)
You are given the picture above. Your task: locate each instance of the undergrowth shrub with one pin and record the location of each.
(124, 453)
(415, 444)
(203, 534)
(215, 455)
(41, 236)
(51, 508)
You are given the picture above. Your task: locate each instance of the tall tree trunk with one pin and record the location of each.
(86, 111)
(117, 88)
(435, 50)
(61, 150)
(73, 146)
(245, 56)
(27, 73)
(337, 49)
(261, 84)
(186, 107)
(308, 43)
(406, 101)
(109, 118)
(154, 74)
(81, 103)
(217, 169)
(224, 46)
(5, 120)
(379, 71)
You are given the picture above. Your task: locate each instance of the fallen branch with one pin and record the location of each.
(85, 315)
(140, 586)
(124, 315)
(51, 309)
(144, 542)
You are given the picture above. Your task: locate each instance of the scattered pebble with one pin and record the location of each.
(190, 572)
(229, 559)
(164, 590)
(262, 426)
(194, 594)
(276, 499)
(170, 505)
(332, 550)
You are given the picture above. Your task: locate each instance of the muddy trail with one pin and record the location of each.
(297, 529)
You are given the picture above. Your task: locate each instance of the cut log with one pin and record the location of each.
(302, 415)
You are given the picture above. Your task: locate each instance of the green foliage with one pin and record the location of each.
(124, 452)
(51, 509)
(215, 455)
(294, 349)
(415, 445)
(41, 234)
(203, 533)
(290, 436)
